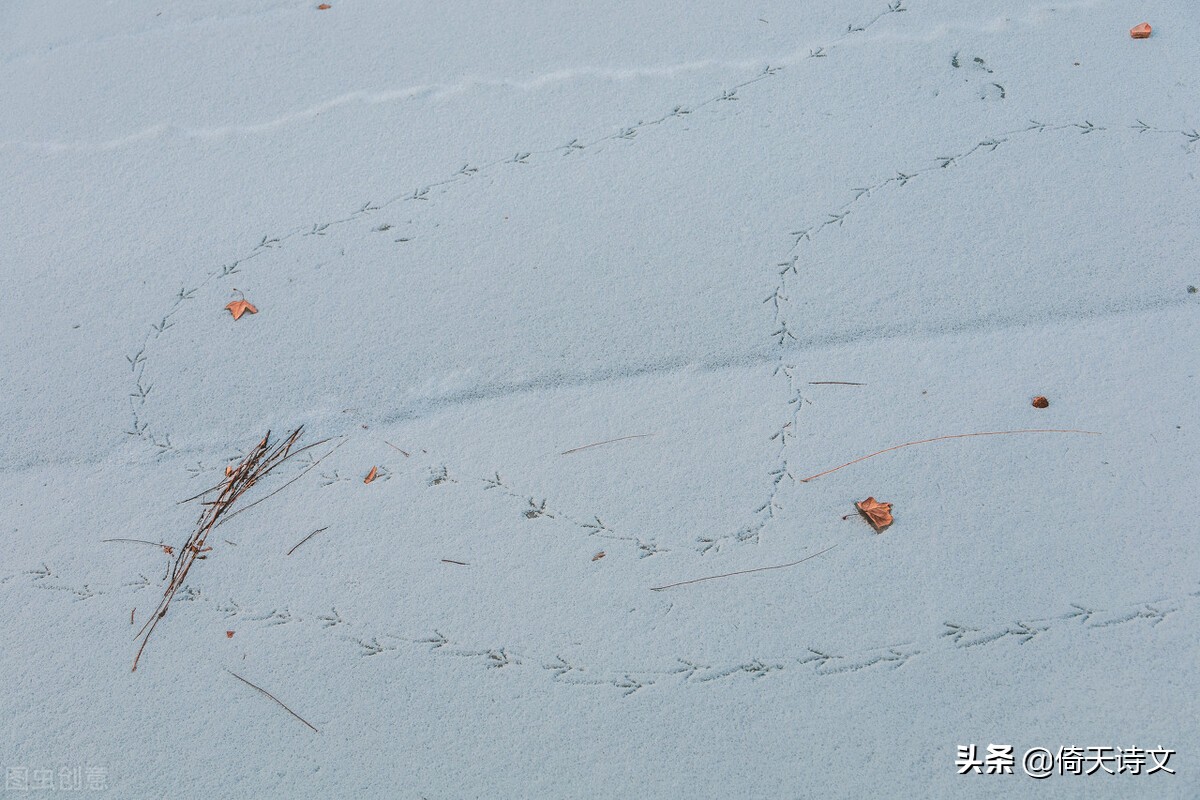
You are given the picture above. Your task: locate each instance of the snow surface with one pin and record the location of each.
(489, 233)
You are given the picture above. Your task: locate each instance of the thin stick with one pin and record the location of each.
(306, 538)
(940, 438)
(201, 494)
(607, 441)
(303, 472)
(138, 541)
(452, 561)
(131, 611)
(273, 697)
(834, 383)
(743, 571)
(262, 459)
(222, 483)
(389, 444)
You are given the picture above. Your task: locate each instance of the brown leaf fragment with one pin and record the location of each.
(239, 307)
(877, 513)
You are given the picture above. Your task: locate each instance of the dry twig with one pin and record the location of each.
(306, 538)
(273, 697)
(262, 459)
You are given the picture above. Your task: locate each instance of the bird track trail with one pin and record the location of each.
(954, 637)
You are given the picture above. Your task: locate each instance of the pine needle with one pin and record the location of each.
(389, 444)
(941, 438)
(138, 541)
(743, 571)
(606, 441)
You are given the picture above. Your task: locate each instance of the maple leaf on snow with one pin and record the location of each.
(239, 307)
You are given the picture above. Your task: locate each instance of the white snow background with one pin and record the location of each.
(488, 233)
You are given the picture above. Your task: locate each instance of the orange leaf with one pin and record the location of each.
(228, 634)
(239, 307)
(1041, 402)
(323, 7)
(371, 475)
(1140, 31)
(877, 513)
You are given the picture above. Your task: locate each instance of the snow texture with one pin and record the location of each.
(738, 244)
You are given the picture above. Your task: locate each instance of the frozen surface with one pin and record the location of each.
(484, 234)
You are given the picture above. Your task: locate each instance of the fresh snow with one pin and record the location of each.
(488, 233)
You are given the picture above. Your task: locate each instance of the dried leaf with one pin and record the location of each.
(1041, 402)
(371, 475)
(239, 307)
(877, 513)
(228, 634)
(598, 556)
(1140, 31)
(323, 7)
